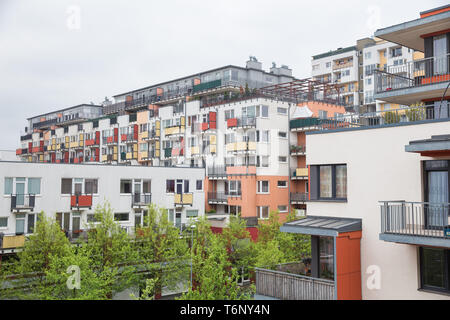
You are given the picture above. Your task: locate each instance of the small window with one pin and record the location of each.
(262, 212)
(191, 213)
(282, 110)
(3, 222)
(282, 208)
(8, 186)
(125, 186)
(282, 159)
(34, 185)
(147, 186)
(263, 186)
(91, 186)
(66, 186)
(121, 216)
(199, 185)
(170, 186)
(282, 134)
(264, 111)
(91, 218)
(282, 184)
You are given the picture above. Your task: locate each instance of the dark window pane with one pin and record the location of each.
(125, 186)
(170, 186)
(326, 248)
(66, 186)
(433, 264)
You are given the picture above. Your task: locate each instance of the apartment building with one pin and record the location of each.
(339, 67)
(382, 55)
(378, 202)
(70, 194)
(352, 69)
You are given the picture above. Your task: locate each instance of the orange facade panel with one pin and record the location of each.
(348, 266)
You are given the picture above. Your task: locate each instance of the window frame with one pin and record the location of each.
(316, 184)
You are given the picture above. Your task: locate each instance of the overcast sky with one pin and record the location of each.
(56, 54)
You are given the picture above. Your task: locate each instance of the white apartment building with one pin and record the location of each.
(70, 194)
(339, 67)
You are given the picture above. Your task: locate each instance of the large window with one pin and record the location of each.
(434, 269)
(262, 212)
(328, 182)
(263, 186)
(326, 251)
(125, 186)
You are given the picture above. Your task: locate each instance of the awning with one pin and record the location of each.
(436, 146)
(322, 226)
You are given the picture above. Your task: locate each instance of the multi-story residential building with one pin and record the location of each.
(70, 194)
(382, 55)
(378, 203)
(339, 67)
(239, 132)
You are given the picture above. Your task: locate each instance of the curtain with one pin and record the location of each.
(341, 181)
(325, 182)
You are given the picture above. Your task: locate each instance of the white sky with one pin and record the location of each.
(48, 61)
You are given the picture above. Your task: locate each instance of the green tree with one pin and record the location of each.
(163, 253)
(214, 278)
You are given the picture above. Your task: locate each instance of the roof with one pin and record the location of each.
(198, 74)
(322, 226)
(335, 52)
(65, 109)
(440, 143)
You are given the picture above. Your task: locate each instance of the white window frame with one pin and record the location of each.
(260, 187)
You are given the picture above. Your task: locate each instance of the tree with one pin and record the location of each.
(164, 254)
(214, 278)
(111, 252)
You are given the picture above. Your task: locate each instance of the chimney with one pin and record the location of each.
(253, 63)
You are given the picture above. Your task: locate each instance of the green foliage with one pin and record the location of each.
(391, 117)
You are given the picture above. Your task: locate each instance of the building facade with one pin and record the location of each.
(70, 194)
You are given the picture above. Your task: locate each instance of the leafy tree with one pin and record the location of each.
(162, 251)
(214, 278)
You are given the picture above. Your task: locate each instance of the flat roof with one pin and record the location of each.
(409, 33)
(440, 143)
(322, 226)
(334, 52)
(198, 74)
(65, 109)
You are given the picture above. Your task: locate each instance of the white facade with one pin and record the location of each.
(378, 169)
(52, 198)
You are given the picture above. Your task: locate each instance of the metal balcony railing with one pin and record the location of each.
(217, 197)
(413, 74)
(299, 196)
(295, 149)
(141, 199)
(291, 286)
(415, 218)
(246, 122)
(217, 172)
(79, 200)
(22, 201)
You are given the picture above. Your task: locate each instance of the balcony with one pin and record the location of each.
(297, 150)
(338, 66)
(241, 147)
(206, 86)
(289, 282)
(22, 202)
(217, 198)
(151, 135)
(246, 122)
(300, 174)
(305, 124)
(299, 197)
(241, 170)
(174, 131)
(418, 223)
(141, 200)
(81, 201)
(12, 241)
(195, 151)
(413, 81)
(217, 173)
(184, 199)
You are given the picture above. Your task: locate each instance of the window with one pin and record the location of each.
(282, 134)
(282, 110)
(264, 111)
(367, 55)
(328, 64)
(199, 185)
(229, 114)
(282, 208)
(263, 186)
(8, 186)
(326, 254)
(315, 67)
(91, 186)
(170, 186)
(125, 186)
(328, 182)
(323, 114)
(262, 161)
(66, 186)
(121, 216)
(143, 147)
(282, 184)
(234, 187)
(34, 185)
(264, 136)
(146, 186)
(282, 159)
(3, 222)
(434, 269)
(191, 213)
(262, 212)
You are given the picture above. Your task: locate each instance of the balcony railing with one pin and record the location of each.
(300, 173)
(11, 241)
(141, 199)
(413, 74)
(184, 199)
(22, 201)
(297, 150)
(217, 197)
(415, 218)
(291, 286)
(299, 196)
(81, 201)
(217, 172)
